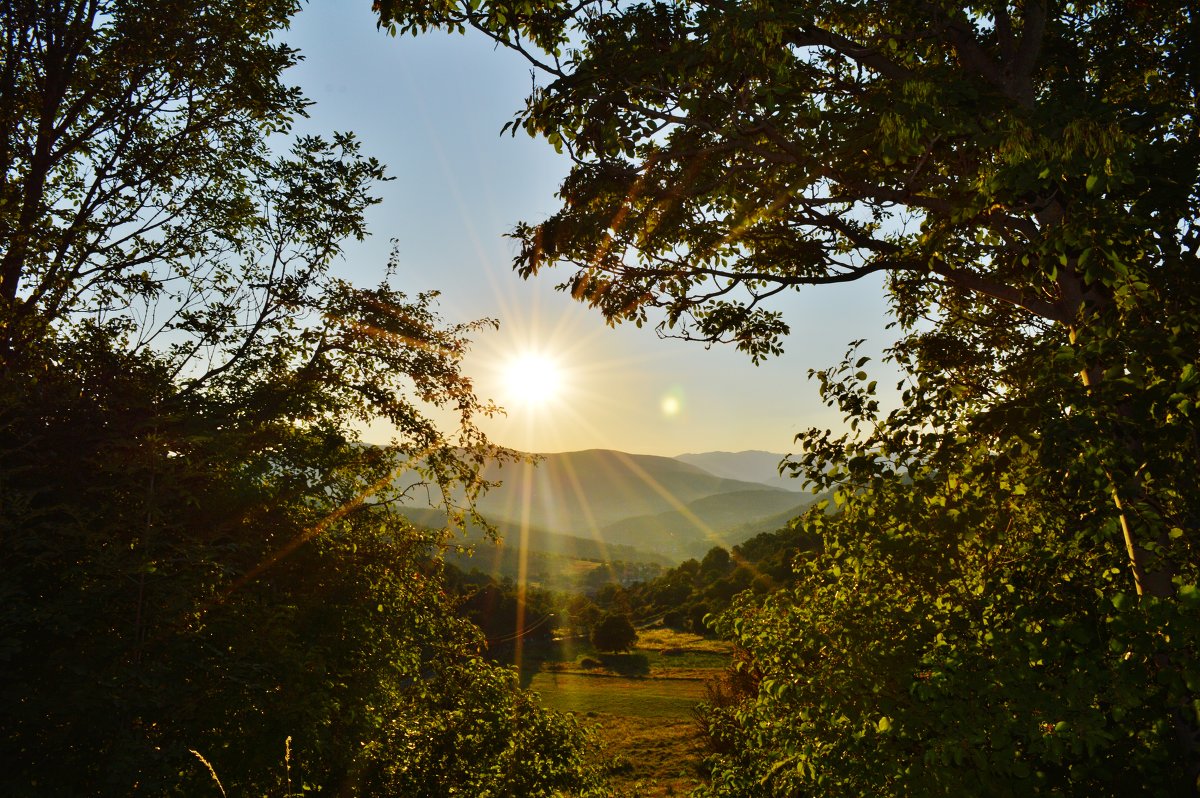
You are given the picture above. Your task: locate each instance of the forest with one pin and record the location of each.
(209, 583)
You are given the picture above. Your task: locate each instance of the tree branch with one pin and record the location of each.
(867, 56)
(970, 281)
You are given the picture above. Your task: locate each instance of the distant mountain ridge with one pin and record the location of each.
(660, 505)
(752, 465)
(606, 505)
(580, 493)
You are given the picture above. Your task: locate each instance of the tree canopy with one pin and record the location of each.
(614, 632)
(1020, 174)
(1025, 178)
(727, 150)
(200, 566)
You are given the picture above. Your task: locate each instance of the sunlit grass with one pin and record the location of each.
(668, 639)
(645, 722)
(618, 695)
(654, 757)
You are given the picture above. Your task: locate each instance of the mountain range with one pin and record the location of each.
(753, 466)
(605, 504)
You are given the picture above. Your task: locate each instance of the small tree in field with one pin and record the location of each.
(614, 633)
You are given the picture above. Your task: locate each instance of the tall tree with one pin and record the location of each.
(131, 136)
(198, 554)
(1033, 161)
(1024, 175)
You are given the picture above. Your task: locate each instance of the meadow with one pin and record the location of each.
(641, 704)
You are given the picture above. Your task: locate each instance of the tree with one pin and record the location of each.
(1025, 178)
(615, 632)
(122, 162)
(1032, 167)
(963, 630)
(199, 554)
(716, 563)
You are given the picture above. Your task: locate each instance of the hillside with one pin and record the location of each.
(581, 493)
(604, 505)
(721, 520)
(554, 561)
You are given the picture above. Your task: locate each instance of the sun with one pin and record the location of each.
(533, 378)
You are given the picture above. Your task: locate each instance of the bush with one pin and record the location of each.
(675, 619)
(614, 633)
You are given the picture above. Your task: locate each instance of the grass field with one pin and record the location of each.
(645, 697)
(641, 702)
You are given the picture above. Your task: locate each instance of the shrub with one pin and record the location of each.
(614, 633)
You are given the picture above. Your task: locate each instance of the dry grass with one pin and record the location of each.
(211, 770)
(644, 719)
(669, 639)
(655, 757)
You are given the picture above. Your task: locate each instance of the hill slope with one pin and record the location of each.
(720, 520)
(604, 505)
(581, 493)
(538, 539)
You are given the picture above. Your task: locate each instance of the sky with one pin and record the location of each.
(431, 109)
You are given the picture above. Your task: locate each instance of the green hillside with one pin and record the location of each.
(541, 540)
(603, 505)
(721, 520)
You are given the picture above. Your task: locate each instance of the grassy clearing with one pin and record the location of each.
(655, 758)
(641, 701)
(670, 639)
(671, 699)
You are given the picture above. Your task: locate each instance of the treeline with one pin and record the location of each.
(506, 612)
(551, 570)
(684, 596)
(679, 598)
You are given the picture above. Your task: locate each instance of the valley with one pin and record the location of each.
(574, 519)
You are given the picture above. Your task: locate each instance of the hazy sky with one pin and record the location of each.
(431, 108)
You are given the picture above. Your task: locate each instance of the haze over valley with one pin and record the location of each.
(609, 506)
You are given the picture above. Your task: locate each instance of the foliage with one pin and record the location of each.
(504, 612)
(1025, 177)
(473, 732)
(133, 158)
(684, 595)
(615, 632)
(198, 552)
(982, 640)
(968, 602)
(1021, 173)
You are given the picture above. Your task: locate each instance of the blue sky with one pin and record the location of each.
(431, 108)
